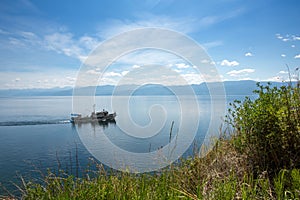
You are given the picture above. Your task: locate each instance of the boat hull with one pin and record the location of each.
(94, 118)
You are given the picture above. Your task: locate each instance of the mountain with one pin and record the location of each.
(231, 87)
(66, 91)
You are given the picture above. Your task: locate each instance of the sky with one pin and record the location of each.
(44, 43)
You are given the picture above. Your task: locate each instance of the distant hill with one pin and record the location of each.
(231, 88)
(67, 91)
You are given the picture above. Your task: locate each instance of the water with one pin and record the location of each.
(35, 133)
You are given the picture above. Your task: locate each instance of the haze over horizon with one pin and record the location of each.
(43, 43)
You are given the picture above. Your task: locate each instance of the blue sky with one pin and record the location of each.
(43, 43)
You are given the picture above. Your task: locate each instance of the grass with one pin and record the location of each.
(260, 160)
(222, 174)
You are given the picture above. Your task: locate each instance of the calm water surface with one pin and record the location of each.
(35, 132)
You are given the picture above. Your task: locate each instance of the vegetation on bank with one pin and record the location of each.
(260, 160)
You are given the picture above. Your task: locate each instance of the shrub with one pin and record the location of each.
(267, 129)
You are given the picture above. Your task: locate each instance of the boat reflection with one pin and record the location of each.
(103, 124)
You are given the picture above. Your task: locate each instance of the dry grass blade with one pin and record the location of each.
(187, 194)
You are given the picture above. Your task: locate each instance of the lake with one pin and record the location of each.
(35, 132)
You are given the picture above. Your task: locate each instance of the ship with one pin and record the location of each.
(101, 117)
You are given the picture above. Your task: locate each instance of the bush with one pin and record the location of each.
(267, 129)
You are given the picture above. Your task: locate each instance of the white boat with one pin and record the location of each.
(102, 116)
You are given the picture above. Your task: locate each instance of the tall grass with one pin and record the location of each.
(218, 176)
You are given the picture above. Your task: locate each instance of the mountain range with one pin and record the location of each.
(231, 88)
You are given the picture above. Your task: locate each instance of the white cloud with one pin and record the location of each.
(177, 70)
(37, 79)
(60, 42)
(148, 57)
(93, 72)
(123, 73)
(89, 42)
(287, 37)
(24, 39)
(192, 78)
(242, 72)
(27, 34)
(293, 46)
(282, 72)
(16, 42)
(182, 66)
(275, 79)
(283, 55)
(297, 56)
(136, 66)
(112, 74)
(279, 36)
(282, 76)
(63, 43)
(229, 63)
(82, 58)
(245, 79)
(114, 26)
(248, 54)
(185, 24)
(295, 37)
(205, 61)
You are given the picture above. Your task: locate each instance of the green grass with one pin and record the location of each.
(267, 129)
(213, 177)
(259, 161)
